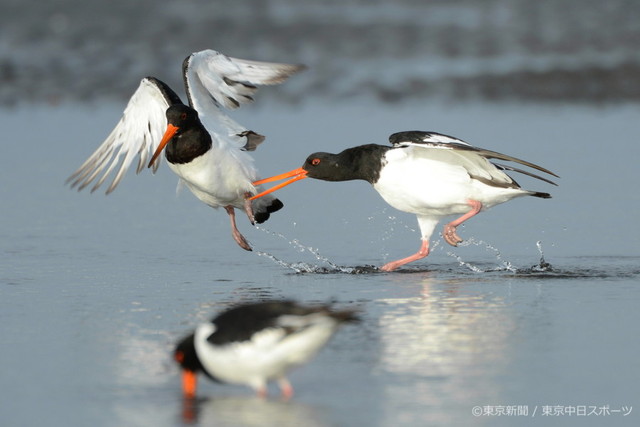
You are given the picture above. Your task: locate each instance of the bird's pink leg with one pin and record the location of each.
(286, 388)
(423, 252)
(248, 208)
(449, 233)
(262, 391)
(237, 236)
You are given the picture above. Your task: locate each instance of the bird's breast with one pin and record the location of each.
(216, 178)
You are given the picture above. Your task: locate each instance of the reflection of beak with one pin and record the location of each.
(189, 383)
(297, 175)
(171, 130)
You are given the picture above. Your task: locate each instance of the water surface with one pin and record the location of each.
(96, 290)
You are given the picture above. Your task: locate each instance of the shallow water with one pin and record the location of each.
(537, 309)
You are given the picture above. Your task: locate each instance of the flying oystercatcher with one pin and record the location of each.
(253, 344)
(204, 146)
(426, 173)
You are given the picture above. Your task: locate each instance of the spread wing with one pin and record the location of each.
(473, 159)
(138, 133)
(214, 80)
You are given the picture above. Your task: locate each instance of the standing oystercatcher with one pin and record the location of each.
(253, 344)
(204, 147)
(425, 173)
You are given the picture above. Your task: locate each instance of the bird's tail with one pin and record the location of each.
(345, 315)
(264, 207)
(540, 194)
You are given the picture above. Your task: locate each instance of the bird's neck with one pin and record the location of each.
(188, 145)
(363, 162)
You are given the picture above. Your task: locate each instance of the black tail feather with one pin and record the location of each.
(541, 195)
(262, 216)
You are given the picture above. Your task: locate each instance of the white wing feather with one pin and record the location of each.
(214, 79)
(138, 132)
(458, 152)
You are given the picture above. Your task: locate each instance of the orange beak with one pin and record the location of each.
(297, 175)
(189, 384)
(171, 130)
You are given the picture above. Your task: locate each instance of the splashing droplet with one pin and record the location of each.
(542, 264)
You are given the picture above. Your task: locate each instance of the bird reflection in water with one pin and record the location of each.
(250, 411)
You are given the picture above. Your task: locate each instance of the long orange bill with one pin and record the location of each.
(189, 383)
(297, 175)
(171, 130)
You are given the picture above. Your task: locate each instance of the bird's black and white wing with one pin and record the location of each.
(138, 133)
(214, 80)
(473, 159)
(281, 317)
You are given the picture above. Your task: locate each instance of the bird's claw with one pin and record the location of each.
(450, 235)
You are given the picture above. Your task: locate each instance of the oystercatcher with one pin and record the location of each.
(253, 344)
(426, 173)
(204, 147)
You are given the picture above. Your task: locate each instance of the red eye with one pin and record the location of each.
(315, 162)
(183, 116)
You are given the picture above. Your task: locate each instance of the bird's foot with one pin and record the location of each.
(240, 240)
(422, 252)
(237, 236)
(286, 388)
(261, 392)
(390, 266)
(450, 235)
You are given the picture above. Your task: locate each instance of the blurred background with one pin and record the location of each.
(545, 50)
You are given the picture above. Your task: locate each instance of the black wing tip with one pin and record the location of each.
(298, 68)
(524, 172)
(169, 94)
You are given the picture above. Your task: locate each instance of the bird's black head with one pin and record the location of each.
(324, 166)
(182, 116)
(189, 138)
(185, 355)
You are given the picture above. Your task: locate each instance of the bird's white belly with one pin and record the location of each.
(433, 188)
(216, 180)
(267, 356)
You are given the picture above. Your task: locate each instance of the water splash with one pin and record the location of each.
(298, 246)
(463, 263)
(326, 266)
(542, 266)
(303, 267)
(503, 265)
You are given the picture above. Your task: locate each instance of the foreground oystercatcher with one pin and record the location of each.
(204, 147)
(426, 173)
(253, 344)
